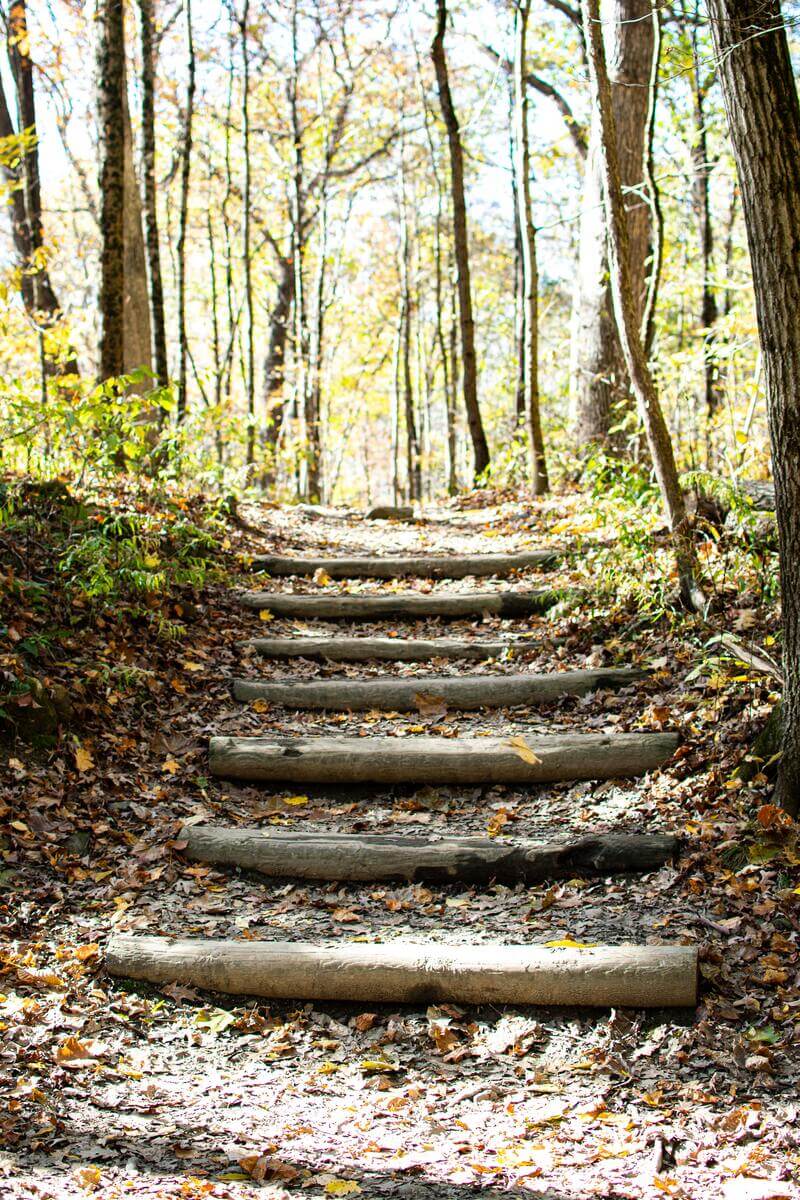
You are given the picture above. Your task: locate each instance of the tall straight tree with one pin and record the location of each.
(529, 343)
(599, 383)
(111, 82)
(27, 229)
(760, 95)
(623, 294)
(247, 257)
(155, 283)
(183, 219)
(480, 447)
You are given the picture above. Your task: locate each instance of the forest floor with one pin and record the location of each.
(125, 1090)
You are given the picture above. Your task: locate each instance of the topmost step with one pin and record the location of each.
(423, 566)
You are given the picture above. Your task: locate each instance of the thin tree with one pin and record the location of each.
(250, 373)
(627, 317)
(469, 368)
(111, 81)
(186, 167)
(760, 96)
(25, 195)
(149, 196)
(530, 272)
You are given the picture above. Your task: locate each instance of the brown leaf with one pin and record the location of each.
(521, 747)
(429, 706)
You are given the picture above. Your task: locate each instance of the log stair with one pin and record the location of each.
(400, 971)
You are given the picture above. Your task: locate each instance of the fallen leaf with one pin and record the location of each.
(429, 706)
(342, 1187)
(83, 760)
(521, 747)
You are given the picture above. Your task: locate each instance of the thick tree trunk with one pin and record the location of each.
(467, 860)
(247, 261)
(424, 566)
(462, 692)
(275, 362)
(412, 606)
(413, 973)
(623, 291)
(599, 384)
(480, 447)
(535, 758)
(111, 83)
(149, 193)
(758, 85)
(530, 271)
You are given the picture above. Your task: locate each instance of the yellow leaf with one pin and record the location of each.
(342, 1187)
(88, 1177)
(296, 801)
(83, 760)
(265, 615)
(521, 747)
(91, 950)
(171, 767)
(193, 666)
(568, 943)
(260, 705)
(71, 1049)
(321, 577)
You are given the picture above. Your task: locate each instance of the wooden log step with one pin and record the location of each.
(357, 857)
(390, 512)
(416, 973)
(432, 760)
(421, 566)
(411, 606)
(384, 649)
(465, 692)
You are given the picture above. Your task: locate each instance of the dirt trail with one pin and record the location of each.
(192, 1095)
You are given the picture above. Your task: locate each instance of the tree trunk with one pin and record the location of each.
(155, 282)
(111, 82)
(275, 364)
(416, 973)
(250, 371)
(705, 235)
(599, 383)
(467, 860)
(404, 347)
(137, 351)
(530, 271)
(480, 448)
(758, 85)
(623, 290)
(186, 168)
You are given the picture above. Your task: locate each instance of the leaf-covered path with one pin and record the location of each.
(126, 1090)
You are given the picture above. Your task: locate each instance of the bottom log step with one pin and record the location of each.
(468, 860)
(414, 973)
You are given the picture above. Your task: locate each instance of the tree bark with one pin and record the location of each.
(760, 95)
(275, 363)
(183, 219)
(413, 973)
(480, 447)
(247, 262)
(413, 474)
(111, 82)
(465, 692)
(530, 272)
(412, 606)
(367, 649)
(467, 860)
(599, 381)
(622, 282)
(137, 351)
(424, 566)
(149, 194)
(709, 310)
(435, 760)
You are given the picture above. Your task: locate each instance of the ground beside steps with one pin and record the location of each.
(616, 975)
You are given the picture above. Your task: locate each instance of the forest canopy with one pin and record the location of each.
(291, 300)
